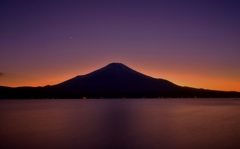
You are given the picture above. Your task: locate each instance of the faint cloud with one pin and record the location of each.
(1, 74)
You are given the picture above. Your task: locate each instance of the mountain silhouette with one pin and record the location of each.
(115, 80)
(118, 78)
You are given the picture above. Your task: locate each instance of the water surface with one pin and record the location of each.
(120, 124)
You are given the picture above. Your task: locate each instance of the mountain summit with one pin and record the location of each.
(115, 70)
(112, 81)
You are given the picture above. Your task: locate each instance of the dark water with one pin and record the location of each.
(120, 124)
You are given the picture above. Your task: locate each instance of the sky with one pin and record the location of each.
(192, 43)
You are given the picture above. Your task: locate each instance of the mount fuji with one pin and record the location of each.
(115, 80)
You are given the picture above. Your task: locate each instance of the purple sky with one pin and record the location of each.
(189, 42)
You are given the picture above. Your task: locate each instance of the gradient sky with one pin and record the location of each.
(188, 42)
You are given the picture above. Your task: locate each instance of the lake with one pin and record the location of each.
(120, 124)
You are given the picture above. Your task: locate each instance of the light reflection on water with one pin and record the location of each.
(120, 123)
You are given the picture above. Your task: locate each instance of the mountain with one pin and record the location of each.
(112, 81)
(116, 77)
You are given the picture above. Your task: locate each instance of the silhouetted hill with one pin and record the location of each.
(112, 81)
(116, 77)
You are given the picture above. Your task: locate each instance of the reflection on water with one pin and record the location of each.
(120, 123)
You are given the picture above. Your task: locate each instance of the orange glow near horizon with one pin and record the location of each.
(179, 78)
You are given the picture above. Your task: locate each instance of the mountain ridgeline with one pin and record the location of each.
(112, 81)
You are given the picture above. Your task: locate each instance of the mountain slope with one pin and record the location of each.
(116, 77)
